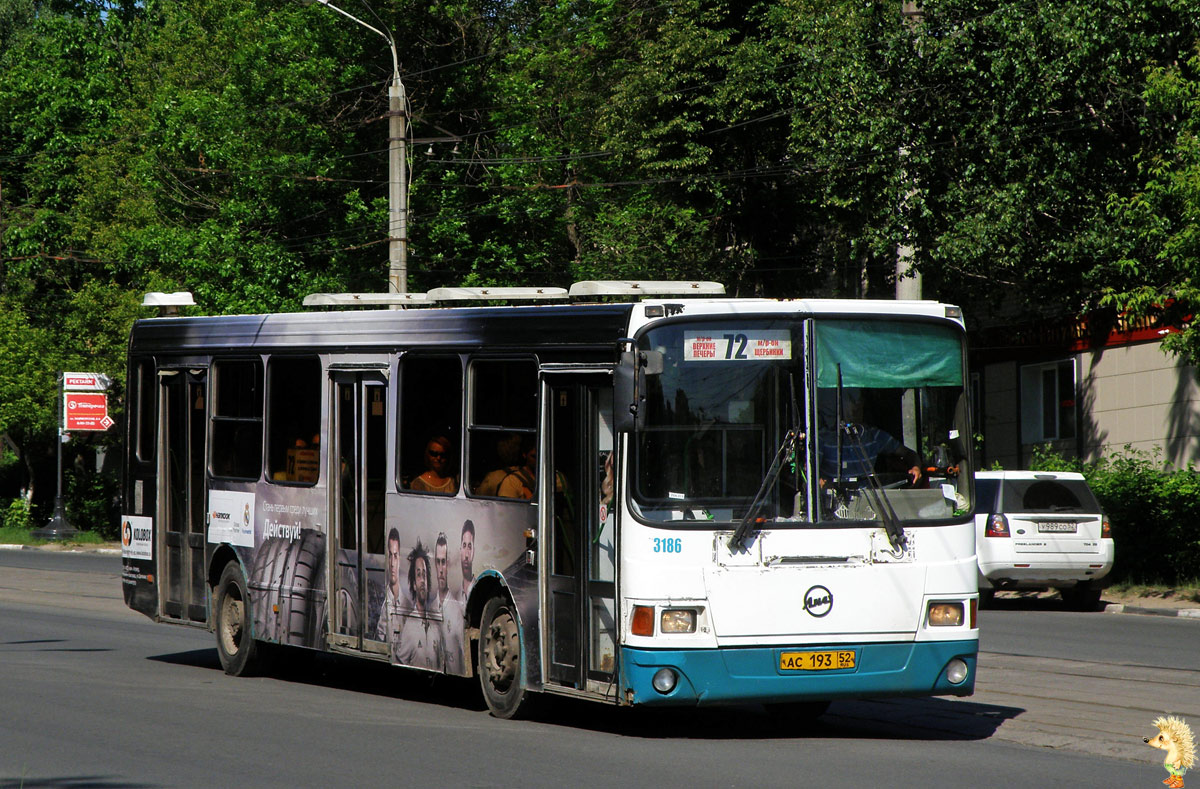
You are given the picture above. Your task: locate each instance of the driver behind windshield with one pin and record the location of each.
(865, 448)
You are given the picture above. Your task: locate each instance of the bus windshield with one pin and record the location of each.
(876, 409)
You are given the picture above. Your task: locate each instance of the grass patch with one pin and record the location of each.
(15, 535)
(1188, 592)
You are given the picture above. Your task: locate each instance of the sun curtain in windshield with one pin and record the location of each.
(732, 391)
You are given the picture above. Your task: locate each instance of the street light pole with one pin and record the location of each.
(397, 188)
(397, 165)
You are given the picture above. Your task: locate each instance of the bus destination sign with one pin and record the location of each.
(761, 345)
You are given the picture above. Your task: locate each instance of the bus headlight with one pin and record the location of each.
(664, 680)
(945, 614)
(677, 620)
(956, 671)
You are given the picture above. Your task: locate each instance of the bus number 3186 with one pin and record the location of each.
(668, 545)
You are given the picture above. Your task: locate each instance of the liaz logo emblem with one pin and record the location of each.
(818, 601)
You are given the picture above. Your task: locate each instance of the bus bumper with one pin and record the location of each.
(752, 674)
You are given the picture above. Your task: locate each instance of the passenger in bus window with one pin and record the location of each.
(435, 478)
(453, 610)
(522, 482)
(421, 636)
(390, 616)
(508, 450)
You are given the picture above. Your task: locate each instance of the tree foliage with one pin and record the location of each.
(1156, 267)
(237, 149)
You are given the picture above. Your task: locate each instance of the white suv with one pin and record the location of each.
(1041, 530)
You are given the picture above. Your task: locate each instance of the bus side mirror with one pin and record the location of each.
(630, 384)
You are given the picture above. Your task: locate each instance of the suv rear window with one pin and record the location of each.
(985, 494)
(1070, 496)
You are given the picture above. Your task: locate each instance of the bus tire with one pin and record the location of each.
(500, 664)
(236, 646)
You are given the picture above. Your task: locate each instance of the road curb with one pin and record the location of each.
(1121, 608)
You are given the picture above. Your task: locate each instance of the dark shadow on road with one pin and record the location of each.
(885, 719)
(917, 719)
(1031, 601)
(51, 649)
(344, 672)
(70, 782)
(200, 658)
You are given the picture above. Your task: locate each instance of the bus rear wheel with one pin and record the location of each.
(500, 665)
(235, 642)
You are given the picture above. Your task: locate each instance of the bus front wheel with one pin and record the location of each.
(235, 643)
(500, 665)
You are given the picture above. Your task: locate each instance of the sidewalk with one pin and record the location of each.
(107, 548)
(1112, 602)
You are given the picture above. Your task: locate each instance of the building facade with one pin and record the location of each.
(1083, 390)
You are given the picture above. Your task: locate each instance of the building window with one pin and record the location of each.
(237, 435)
(294, 419)
(1048, 401)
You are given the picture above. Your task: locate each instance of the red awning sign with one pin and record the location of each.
(86, 411)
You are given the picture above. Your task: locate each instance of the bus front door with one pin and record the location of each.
(182, 494)
(358, 464)
(581, 554)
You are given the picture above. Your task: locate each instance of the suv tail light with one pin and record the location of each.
(997, 526)
(1105, 527)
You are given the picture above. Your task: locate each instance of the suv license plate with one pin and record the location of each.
(1059, 528)
(816, 661)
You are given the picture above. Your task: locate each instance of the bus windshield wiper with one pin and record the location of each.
(785, 451)
(879, 500)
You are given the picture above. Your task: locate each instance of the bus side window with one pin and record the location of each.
(502, 455)
(430, 424)
(293, 419)
(237, 434)
(144, 419)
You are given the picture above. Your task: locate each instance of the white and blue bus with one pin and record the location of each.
(658, 499)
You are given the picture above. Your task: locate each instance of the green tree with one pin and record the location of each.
(1156, 271)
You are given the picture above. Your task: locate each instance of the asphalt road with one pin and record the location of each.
(94, 695)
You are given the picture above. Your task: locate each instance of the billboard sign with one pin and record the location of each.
(82, 411)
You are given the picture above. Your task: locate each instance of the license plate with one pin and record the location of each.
(1057, 528)
(817, 661)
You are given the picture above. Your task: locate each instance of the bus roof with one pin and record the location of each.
(462, 327)
(575, 325)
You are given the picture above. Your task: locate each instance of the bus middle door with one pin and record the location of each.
(358, 470)
(579, 557)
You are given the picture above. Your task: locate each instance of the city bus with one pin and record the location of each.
(636, 493)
